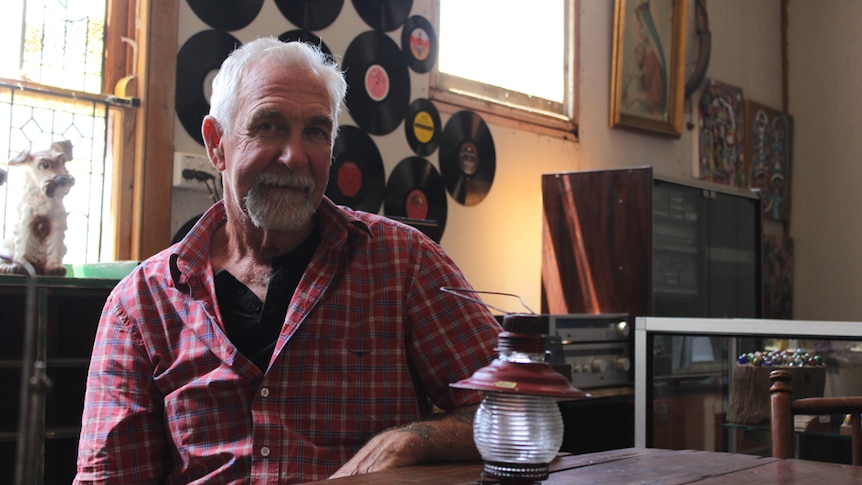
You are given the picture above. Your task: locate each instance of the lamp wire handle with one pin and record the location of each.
(455, 291)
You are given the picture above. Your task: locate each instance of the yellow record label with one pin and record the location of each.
(423, 127)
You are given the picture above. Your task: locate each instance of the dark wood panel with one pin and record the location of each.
(597, 242)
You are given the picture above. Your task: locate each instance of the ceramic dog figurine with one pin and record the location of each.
(41, 228)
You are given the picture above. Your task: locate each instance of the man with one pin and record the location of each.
(284, 339)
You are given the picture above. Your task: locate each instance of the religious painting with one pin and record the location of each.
(721, 135)
(777, 277)
(647, 81)
(768, 143)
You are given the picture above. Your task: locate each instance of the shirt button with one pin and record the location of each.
(264, 392)
(264, 451)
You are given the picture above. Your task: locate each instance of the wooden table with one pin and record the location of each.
(637, 466)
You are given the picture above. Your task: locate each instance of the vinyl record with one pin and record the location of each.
(226, 15)
(307, 37)
(199, 56)
(379, 82)
(422, 127)
(415, 191)
(383, 15)
(467, 158)
(419, 44)
(310, 14)
(357, 177)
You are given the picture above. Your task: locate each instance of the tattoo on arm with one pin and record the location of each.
(425, 431)
(421, 430)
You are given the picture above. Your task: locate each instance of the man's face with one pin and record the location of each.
(275, 163)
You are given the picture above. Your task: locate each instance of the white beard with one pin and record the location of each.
(271, 207)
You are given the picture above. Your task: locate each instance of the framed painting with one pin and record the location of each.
(768, 143)
(721, 136)
(647, 73)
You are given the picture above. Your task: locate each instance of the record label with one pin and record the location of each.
(349, 179)
(415, 191)
(467, 158)
(419, 44)
(377, 82)
(417, 204)
(357, 178)
(422, 127)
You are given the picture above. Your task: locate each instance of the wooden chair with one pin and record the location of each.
(784, 407)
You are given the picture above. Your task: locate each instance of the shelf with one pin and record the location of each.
(67, 313)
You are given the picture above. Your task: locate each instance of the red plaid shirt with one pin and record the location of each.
(369, 342)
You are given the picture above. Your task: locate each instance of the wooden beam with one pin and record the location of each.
(154, 155)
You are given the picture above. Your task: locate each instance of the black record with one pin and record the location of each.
(422, 126)
(378, 82)
(415, 192)
(357, 177)
(419, 44)
(383, 15)
(200, 55)
(227, 15)
(310, 14)
(300, 35)
(467, 158)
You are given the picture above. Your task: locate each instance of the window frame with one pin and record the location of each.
(147, 162)
(453, 93)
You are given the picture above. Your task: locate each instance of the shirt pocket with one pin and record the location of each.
(349, 388)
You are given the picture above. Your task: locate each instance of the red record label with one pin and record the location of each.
(417, 205)
(420, 44)
(376, 82)
(349, 179)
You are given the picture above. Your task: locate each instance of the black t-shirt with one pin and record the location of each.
(253, 326)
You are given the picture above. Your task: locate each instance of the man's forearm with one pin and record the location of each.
(445, 437)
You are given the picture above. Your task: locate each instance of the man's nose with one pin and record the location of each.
(292, 154)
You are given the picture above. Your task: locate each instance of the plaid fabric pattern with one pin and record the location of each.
(369, 342)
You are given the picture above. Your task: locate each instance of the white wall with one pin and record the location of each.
(826, 102)
(498, 242)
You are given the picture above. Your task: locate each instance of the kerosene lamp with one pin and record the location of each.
(518, 428)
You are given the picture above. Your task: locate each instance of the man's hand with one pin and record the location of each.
(447, 437)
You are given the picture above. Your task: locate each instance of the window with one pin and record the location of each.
(505, 58)
(54, 86)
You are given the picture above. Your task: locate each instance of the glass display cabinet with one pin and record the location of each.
(703, 383)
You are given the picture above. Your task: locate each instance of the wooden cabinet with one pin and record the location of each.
(626, 241)
(67, 313)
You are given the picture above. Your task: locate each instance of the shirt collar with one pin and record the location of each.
(338, 224)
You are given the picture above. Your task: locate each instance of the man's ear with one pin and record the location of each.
(212, 135)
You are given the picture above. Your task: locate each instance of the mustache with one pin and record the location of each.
(285, 179)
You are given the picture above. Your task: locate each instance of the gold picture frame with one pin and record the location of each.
(647, 74)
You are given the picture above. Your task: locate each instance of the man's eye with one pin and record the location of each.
(317, 132)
